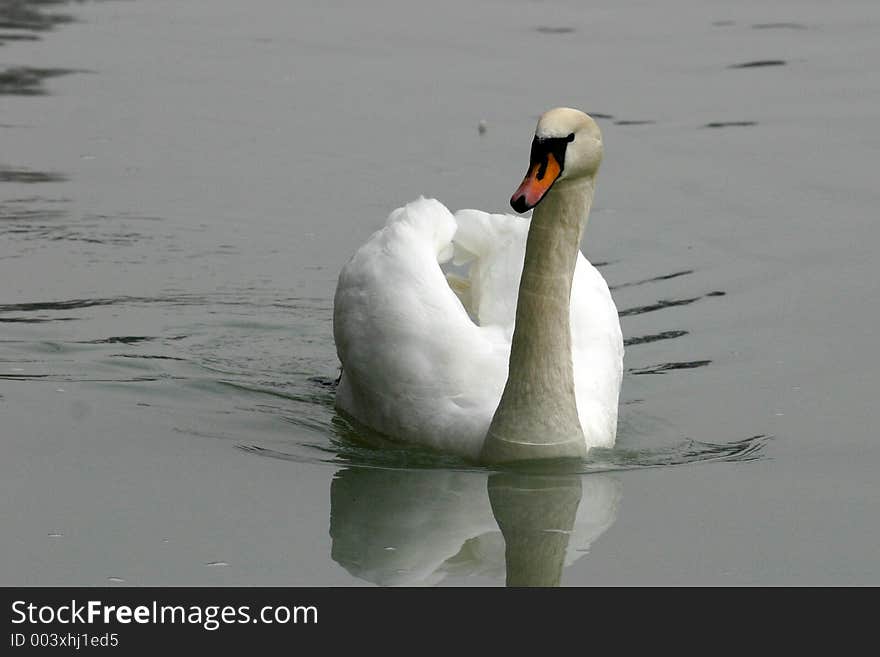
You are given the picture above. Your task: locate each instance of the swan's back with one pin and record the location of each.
(427, 364)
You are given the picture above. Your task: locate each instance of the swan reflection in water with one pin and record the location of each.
(417, 527)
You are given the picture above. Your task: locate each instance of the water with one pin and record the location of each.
(180, 183)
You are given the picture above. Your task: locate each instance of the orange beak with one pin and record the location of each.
(536, 184)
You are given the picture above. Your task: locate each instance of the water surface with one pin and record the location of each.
(180, 183)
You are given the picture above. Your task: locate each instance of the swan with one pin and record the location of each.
(485, 335)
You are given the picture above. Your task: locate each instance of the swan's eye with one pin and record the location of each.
(543, 148)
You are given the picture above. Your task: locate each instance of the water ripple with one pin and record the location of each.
(645, 339)
(653, 279)
(684, 452)
(666, 367)
(28, 81)
(29, 176)
(760, 63)
(665, 303)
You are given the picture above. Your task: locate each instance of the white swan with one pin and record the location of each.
(519, 358)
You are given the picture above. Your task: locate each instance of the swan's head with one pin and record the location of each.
(567, 146)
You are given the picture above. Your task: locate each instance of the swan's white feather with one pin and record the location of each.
(417, 367)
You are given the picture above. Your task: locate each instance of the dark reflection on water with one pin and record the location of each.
(544, 29)
(56, 305)
(35, 320)
(122, 339)
(74, 379)
(653, 279)
(644, 339)
(666, 367)
(146, 357)
(760, 63)
(8, 174)
(730, 124)
(26, 81)
(18, 37)
(665, 303)
(779, 26)
(30, 16)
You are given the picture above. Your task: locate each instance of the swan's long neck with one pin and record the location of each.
(537, 416)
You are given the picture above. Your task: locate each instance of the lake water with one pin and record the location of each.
(181, 181)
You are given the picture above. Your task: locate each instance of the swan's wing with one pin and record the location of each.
(415, 366)
(597, 354)
(494, 247)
